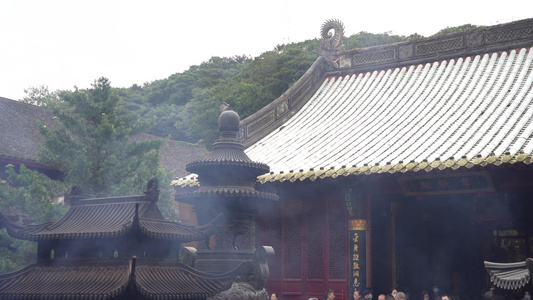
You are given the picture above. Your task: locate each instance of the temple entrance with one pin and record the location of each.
(444, 239)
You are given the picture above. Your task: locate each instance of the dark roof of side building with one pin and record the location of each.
(19, 132)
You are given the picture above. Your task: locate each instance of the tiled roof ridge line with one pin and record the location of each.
(480, 40)
(335, 76)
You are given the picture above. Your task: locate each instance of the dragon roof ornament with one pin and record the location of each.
(330, 43)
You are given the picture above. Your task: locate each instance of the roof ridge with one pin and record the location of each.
(483, 39)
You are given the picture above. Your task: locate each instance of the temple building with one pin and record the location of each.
(398, 166)
(123, 248)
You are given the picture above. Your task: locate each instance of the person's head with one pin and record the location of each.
(381, 297)
(389, 297)
(274, 296)
(367, 293)
(527, 295)
(444, 297)
(394, 293)
(435, 290)
(425, 295)
(356, 295)
(401, 296)
(330, 295)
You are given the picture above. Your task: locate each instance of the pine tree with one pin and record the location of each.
(93, 143)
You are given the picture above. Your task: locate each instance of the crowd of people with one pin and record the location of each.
(434, 294)
(366, 294)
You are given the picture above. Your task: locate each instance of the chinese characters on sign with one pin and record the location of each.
(357, 259)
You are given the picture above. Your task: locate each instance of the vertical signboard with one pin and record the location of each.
(359, 255)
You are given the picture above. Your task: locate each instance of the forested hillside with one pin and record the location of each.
(185, 106)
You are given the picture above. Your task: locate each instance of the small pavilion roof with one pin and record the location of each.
(106, 279)
(107, 218)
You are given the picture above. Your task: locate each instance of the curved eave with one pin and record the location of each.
(179, 281)
(97, 280)
(166, 230)
(195, 166)
(101, 280)
(81, 222)
(398, 168)
(228, 193)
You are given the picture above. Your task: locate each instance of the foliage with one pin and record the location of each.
(32, 197)
(40, 96)
(163, 118)
(15, 254)
(365, 39)
(92, 143)
(277, 71)
(178, 88)
(455, 29)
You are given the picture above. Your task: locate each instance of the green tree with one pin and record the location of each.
(40, 96)
(164, 117)
(365, 39)
(92, 142)
(28, 196)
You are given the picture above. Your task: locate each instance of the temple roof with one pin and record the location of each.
(19, 130)
(107, 218)
(104, 279)
(464, 101)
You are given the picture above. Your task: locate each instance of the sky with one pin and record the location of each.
(67, 44)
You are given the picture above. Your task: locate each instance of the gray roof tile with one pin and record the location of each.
(448, 108)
